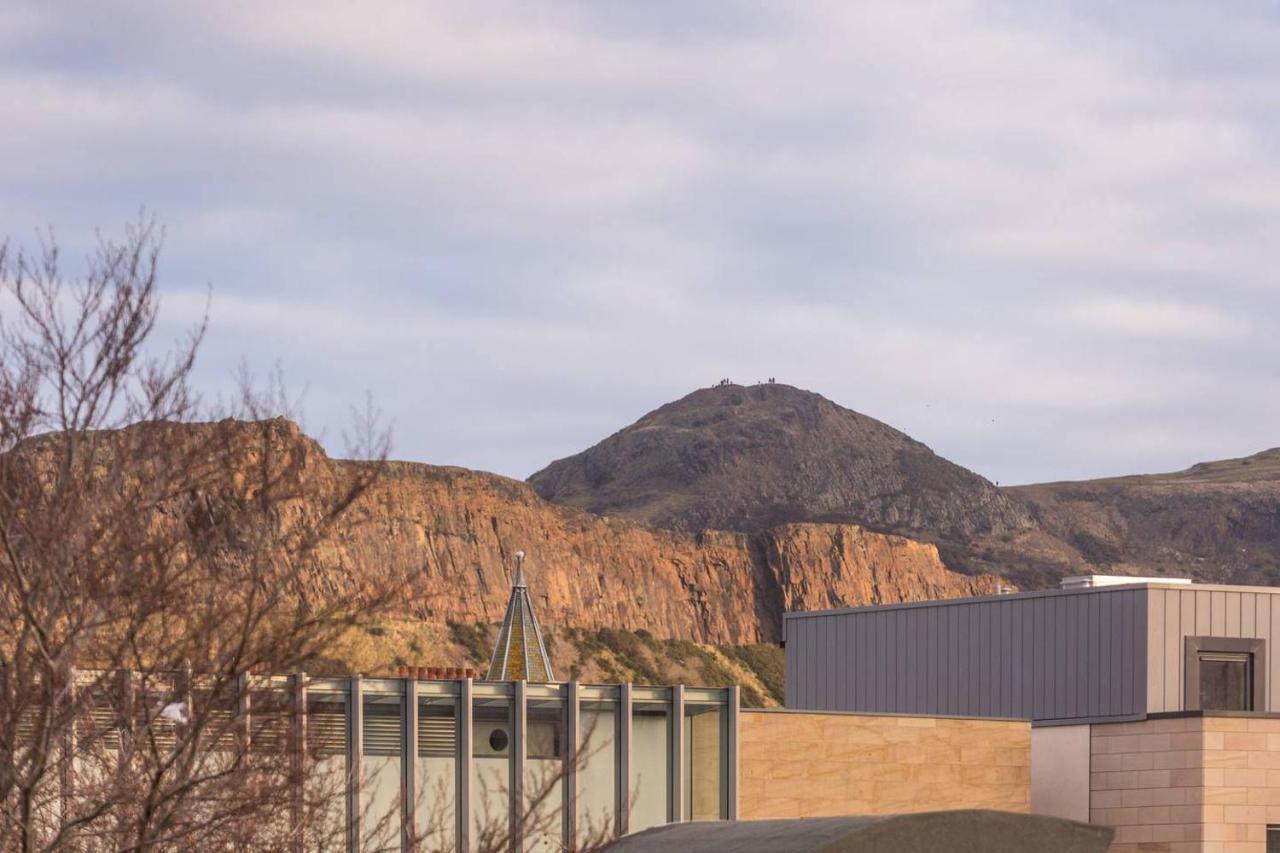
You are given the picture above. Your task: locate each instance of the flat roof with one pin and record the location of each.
(1039, 593)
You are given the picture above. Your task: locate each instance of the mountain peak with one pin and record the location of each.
(749, 457)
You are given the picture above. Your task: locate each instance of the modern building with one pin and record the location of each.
(1153, 701)
(448, 757)
(452, 757)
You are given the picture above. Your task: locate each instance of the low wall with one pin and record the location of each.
(804, 764)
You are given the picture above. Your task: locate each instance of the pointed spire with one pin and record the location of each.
(520, 654)
(520, 584)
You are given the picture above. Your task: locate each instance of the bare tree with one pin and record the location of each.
(155, 570)
(149, 566)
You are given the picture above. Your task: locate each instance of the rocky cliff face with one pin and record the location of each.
(749, 458)
(448, 535)
(460, 529)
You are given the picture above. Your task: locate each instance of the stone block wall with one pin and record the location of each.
(802, 764)
(1187, 784)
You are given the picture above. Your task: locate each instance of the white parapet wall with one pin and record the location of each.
(1060, 771)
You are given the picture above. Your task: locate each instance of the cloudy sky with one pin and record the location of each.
(1042, 242)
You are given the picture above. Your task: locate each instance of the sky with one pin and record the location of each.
(1040, 238)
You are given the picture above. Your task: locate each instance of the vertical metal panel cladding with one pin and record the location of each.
(1175, 614)
(1049, 656)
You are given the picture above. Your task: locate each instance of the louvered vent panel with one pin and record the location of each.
(437, 736)
(220, 728)
(268, 732)
(26, 726)
(163, 734)
(104, 726)
(382, 734)
(327, 733)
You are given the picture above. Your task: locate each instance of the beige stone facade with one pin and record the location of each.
(814, 764)
(1187, 784)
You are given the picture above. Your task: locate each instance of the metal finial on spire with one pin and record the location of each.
(520, 569)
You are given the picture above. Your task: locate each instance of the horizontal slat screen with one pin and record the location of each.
(437, 736)
(104, 726)
(382, 733)
(327, 733)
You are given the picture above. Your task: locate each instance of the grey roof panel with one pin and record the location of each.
(970, 831)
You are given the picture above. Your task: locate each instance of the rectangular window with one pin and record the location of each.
(650, 764)
(597, 771)
(1226, 682)
(704, 788)
(1273, 839)
(1225, 674)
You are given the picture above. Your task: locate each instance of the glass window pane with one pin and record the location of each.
(490, 776)
(650, 727)
(597, 771)
(1273, 839)
(1225, 683)
(703, 755)
(543, 772)
(435, 806)
(383, 757)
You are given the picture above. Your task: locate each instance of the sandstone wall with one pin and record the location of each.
(1187, 784)
(799, 764)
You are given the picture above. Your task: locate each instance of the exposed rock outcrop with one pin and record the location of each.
(460, 528)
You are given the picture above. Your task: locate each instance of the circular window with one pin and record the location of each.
(497, 740)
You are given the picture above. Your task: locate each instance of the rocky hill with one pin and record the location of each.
(749, 458)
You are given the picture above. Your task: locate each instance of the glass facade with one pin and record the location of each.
(650, 777)
(597, 771)
(430, 764)
(703, 764)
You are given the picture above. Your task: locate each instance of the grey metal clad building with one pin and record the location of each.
(1105, 649)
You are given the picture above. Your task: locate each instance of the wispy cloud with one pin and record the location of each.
(1032, 238)
(1161, 318)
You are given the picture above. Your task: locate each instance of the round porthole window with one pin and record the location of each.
(497, 740)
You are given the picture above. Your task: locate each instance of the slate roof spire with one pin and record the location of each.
(520, 654)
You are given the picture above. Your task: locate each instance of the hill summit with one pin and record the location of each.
(748, 458)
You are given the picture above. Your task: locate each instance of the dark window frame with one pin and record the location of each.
(1194, 647)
